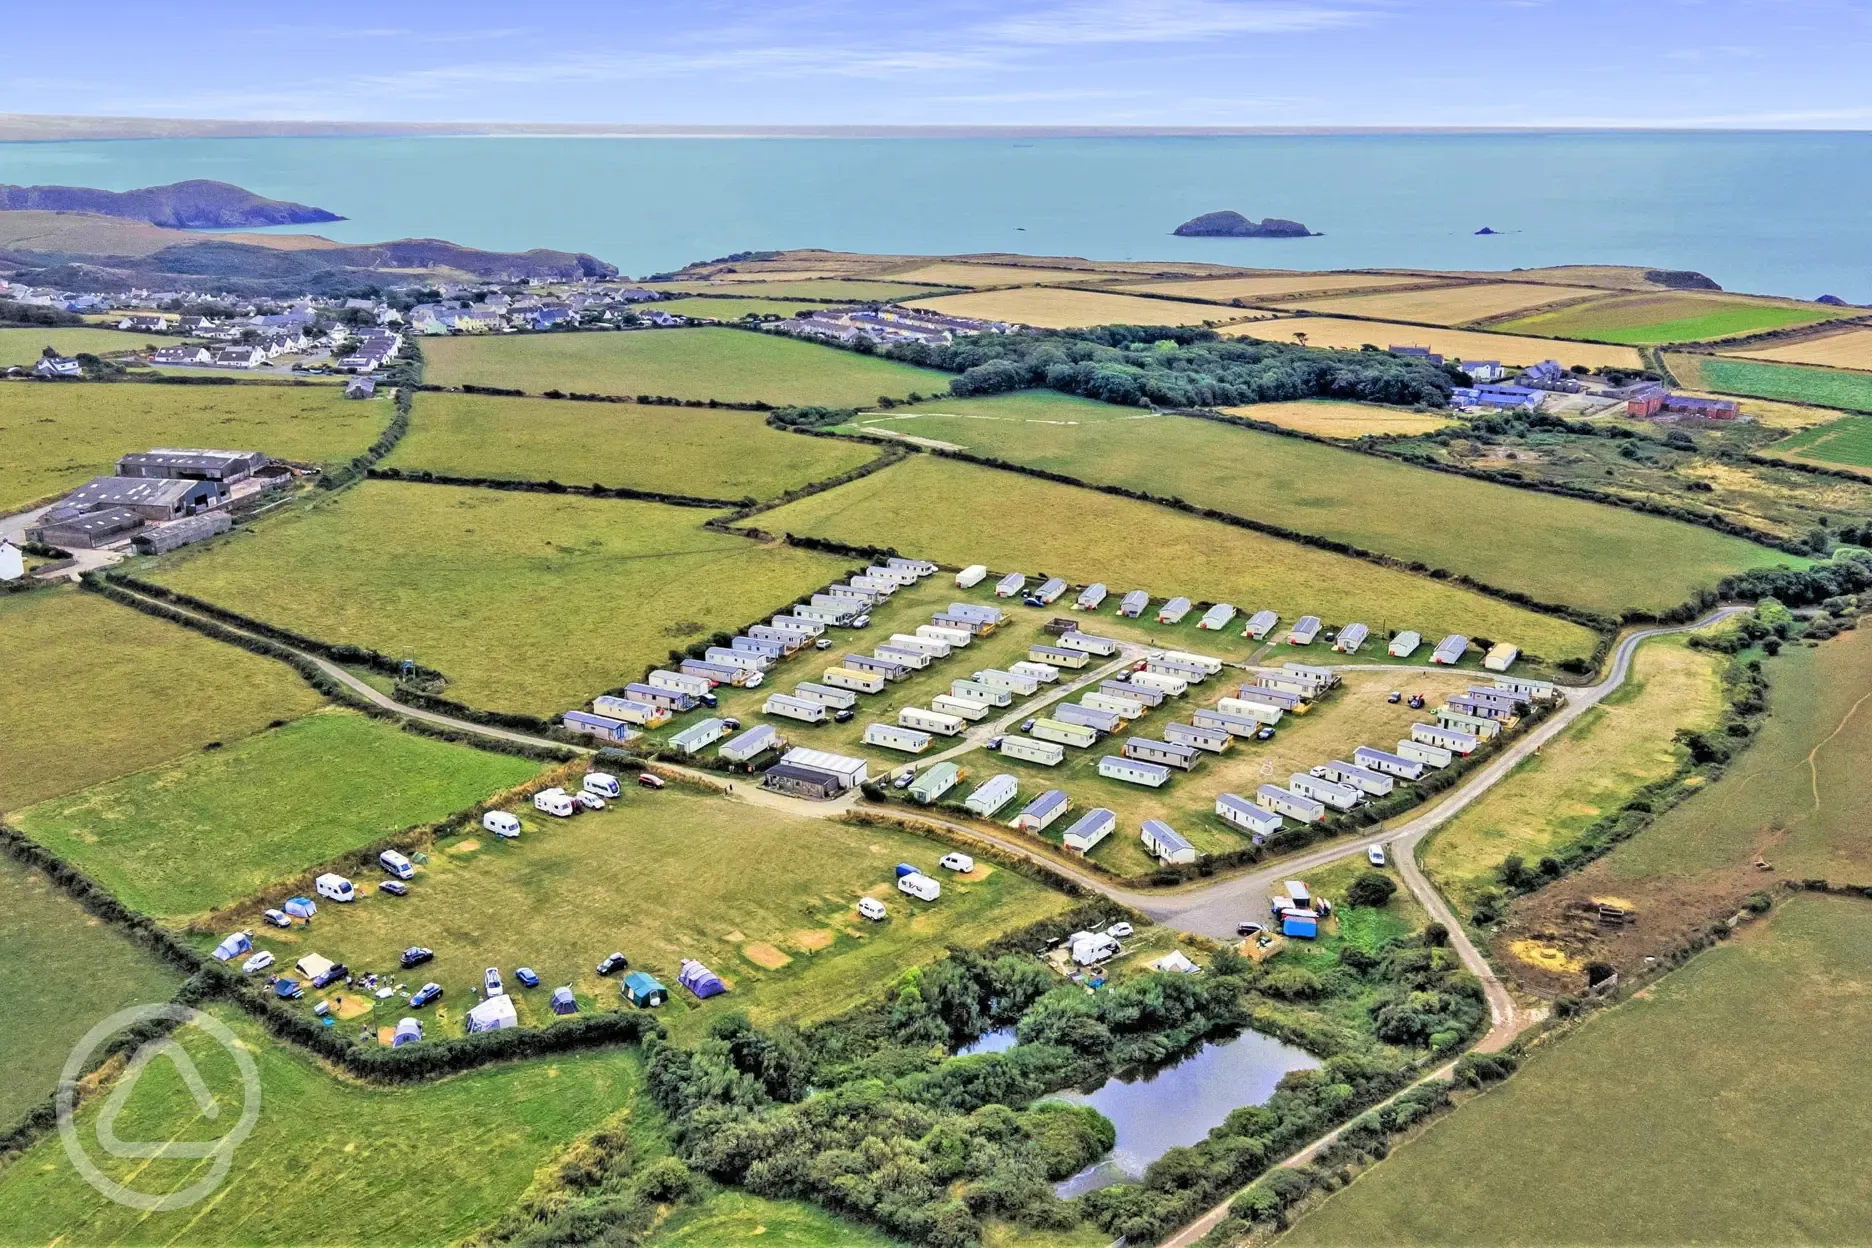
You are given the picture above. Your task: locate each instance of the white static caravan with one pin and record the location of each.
(877, 586)
(1043, 810)
(1168, 753)
(1090, 828)
(727, 656)
(1338, 796)
(1133, 604)
(979, 613)
(1405, 644)
(1260, 624)
(1057, 656)
(918, 568)
(1079, 736)
(1450, 649)
(1088, 643)
(971, 576)
(1260, 712)
(1257, 822)
(1127, 708)
(980, 691)
(1164, 843)
(1350, 638)
(974, 626)
(837, 699)
(1305, 629)
(967, 708)
(1218, 617)
(639, 711)
(680, 682)
(1366, 780)
(1134, 771)
(1163, 665)
(693, 738)
(889, 669)
(1271, 697)
(1424, 752)
(841, 616)
(1050, 590)
(1164, 682)
(1474, 725)
(750, 744)
(1235, 725)
(1390, 764)
(1501, 657)
(857, 682)
(838, 595)
(935, 648)
(1090, 597)
(798, 624)
(893, 737)
(909, 658)
(1205, 663)
(773, 642)
(931, 721)
(1046, 753)
(674, 699)
(951, 637)
(1296, 806)
(1045, 673)
(1215, 740)
(1137, 693)
(1013, 682)
(1010, 585)
(1511, 704)
(1090, 716)
(1532, 690)
(995, 793)
(716, 673)
(896, 576)
(1445, 738)
(1172, 612)
(806, 710)
(1287, 682)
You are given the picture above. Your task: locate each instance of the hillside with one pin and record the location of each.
(194, 205)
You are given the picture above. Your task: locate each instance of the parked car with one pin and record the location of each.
(1395, 697)
(279, 918)
(416, 955)
(754, 681)
(860, 621)
(424, 995)
(1318, 773)
(1264, 734)
(526, 977)
(1416, 701)
(822, 643)
(613, 964)
(844, 716)
(330, 975)
(1375, 855)
(905, 780)
(396, 888)
(288, 989)
(730, 722)
(1247, 929)
(1120, 930)
(491, 982)
(649, 781)
(957, 862)
(259, 962)
(708, 699)
(590, 801)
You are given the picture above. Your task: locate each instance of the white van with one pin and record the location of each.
(871, 908)
(555, 802)
(501, 824)
(396, 864)
(336, 887)
(958, 861)
(919, 886)
(601, 784)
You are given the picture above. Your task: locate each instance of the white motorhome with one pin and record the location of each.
(335, 887)
(396, 864)
(602, 784)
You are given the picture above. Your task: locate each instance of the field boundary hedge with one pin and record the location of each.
(549, 486)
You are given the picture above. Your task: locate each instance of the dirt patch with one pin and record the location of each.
(386, 1035)
(812, 939)
(351, 1005)
(981, 872)
(464, 847)
(1544, 957)
(760, 953)
(734, 938)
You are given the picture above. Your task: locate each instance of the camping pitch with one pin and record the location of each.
(698, 979)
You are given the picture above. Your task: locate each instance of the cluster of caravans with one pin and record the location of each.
(969, 698)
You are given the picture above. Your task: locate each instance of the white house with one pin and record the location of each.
(12, 565)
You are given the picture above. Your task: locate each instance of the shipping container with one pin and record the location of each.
(1046, 753)
(1134, 771)
(931, 721)
(894, 737)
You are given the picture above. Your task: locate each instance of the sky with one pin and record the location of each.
(1357, 63)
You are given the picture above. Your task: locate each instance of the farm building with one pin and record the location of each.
(1010, 585)
(1163, 682)
(1134, 771)
(1215, 740)
(1087, 643)
(1405, 644)
(1234, 725)
(1278, 698)
(1172, 612)
(978, 611)
(751, 744)
(1475, 725)
(1483, 370)
(674, 700)
(1296, 806)
(796, 780)
(1076, 735)
(693, 738)
(930, 646)
(1260, 712)
(851, 771)
(1045, 673)
(1260, 624)
(1533, 690)
(1137, 693)
(1218, 617)
(1424, 752)
(1350, 638)
(679, 682)
(806, 710)
(1450, 649)
(981, 691)
(1046, 753)
(698, 979)
(1050, 590)
(1089, 829)
(84, 530)
(1364, 779)
(931, 721)
(193, 465)
(1090, 716)
(1390, 764)
(601, 726)
(994, 793)
(971, 576)
(1013, 682)
(954, 638)
(916, 660)
(967, 708)
(159, 498)
(1057, 656)
(1338, 796)
(837, 699)
(1169, 753)
(160, 539)
(1128, 708)
(1305, 629)
(1445, 738)
(1133, 604)
(1164, 843)
(895, 737)
(857, 682)
(889, 669)
(1257, 822)
(932, 784)
(643, 990)
(643, 712)
(1501, 657)
(1043, 810)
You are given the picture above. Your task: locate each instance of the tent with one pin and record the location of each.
(700, 980)
(408, 1031)
(1175, 961)
(563, 1002)
(644, 991)
(301, 907)
(233, 947)
(314, 965)
(493, 1014)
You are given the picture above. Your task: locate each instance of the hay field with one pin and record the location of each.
(1327, 418)
(149, 690)
(705, 452)
(23, 346)
(733, 365)
(1450, 305)
(330, 1161)
(210, 828)
(1688, 1114)
(1822, 387)
(60, 436)
(1457, 344)
(816, 289)
(1273, 285)
(1851, 348)
(526, 602)
(971, 276)
(1605, 276)
(958, 514)
(1679, 316)
(1602, 558)
(722, 308)
(1053, 307)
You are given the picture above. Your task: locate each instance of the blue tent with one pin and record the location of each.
(408, 1031)
(233, 947)
(563, 1002)
(301, 907)
(700, 980)
(645, 992)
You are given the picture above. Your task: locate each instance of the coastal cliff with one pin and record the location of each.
(195, 205)
(1230, 224)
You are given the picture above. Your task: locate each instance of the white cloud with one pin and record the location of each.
(1168, 21)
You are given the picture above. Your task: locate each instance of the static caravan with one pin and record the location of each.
(1533, 690)
(967, 708)
(750, 744)
(1424, 752)
(1045, 673)
(1129, 708)
(1088, 643)
(1079, 736)
(1218, 617)
(1089, 829)
(837, 595)
(1164, 843)
(1234, 725)
(1350, 638)
(1133, 604)
(931, 721)
(806, 710)
(681, 682)
(1287, 682)
(1215, 740)
(1046, 753)
(1390, 764)
(1043, 810)
(1474, 725)
(1134, 771)
(644, 714)
(1445, 738)
(1271, 697)
(969, 624)
(691, 739)
(1256, 821)
(971, 576)
(917, 568)
(1324, 677)
(889, 669)
(877, 586)
(1187, 672)
(954, 638)
(1305, 629)
(788, 640)
(1163, 682)
(1050, 590)
(1260, 624)
(1513, 702)
(841, 616)
(1168, 753)
(601, 726)
(1405, 644)
(1295, 806)
(1057, 656)
(716, 673)
(981, 691)
(1501, 657)
(675, 699)
(935, 648)
(1260, 712)
(895, 575)
(893, 737)
(728, 656)
(857, 682)
(1172, 612)
(1338, 796)
(938, 780)
(1364, 779)
(978, 611)
(797, 624)
(909, 658)
(1450, 649)
(997, 792)
(1207, 664)
(851, 772)
(837, 699)
(1090, 716)
(1090, 597)
(1481, 708)
(1137, 693)
(757, 640)
(1013, 682)
(1010, 585)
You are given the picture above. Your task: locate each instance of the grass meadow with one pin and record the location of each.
(1328, 418)
(330, 1161)
(1602, 558)
(60, 436)
(61, 972)
(725, 309)
(1448, 305)
(730, 1216)
(705, 452)
(1057, 307)
(1846, 441)
(1346, 334)
(24, 346)
(94, 690)
(1678, 316)
(732, 365)
(1849, 348)
(527, 602)
(1822, 387)
(216, 826)
(1713, 1108)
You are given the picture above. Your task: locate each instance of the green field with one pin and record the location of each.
(1794, 383)
(835, 289)
(730, 1216)
(24, 346)
(60, 436)
(61, 972)
(1605, 559)
(1847, 441)
(733, 365)
(218, 826)
(764, 898)
(702, 452)
(733, 309)
(959, 514)
(149, 691)
(1715, 1109)
(527, 602)
(1651, 320)
(329, 1161)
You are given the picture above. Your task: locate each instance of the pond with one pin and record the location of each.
(1000, 1040)
(1158, 1108)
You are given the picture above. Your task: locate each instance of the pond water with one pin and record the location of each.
(1000, 1040)
(1159, 1108)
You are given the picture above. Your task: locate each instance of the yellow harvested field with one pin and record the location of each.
(1459, 344)
(1052, 307)
(950, 273)
(1343, 420)
(1605, 276)
(1274, 285)
(1449, 305)
(1850, 349)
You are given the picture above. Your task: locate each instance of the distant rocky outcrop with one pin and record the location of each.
(194, 205)
(1679, 279)
(1229, 224)
(1488, 229)
(1833, 301)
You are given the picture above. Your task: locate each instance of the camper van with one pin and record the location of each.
(555, 802)
(336, 887)
(871, 908)
(501, 824)
(396, 864)
(601, 784)
(919, 886)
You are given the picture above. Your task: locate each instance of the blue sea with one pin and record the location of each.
(1776, 213)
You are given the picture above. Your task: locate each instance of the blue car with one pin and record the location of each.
(424, 995)
(526, 977)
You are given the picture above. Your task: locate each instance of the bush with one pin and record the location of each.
(1371, 888)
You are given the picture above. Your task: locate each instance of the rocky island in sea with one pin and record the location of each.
(1230, 224)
